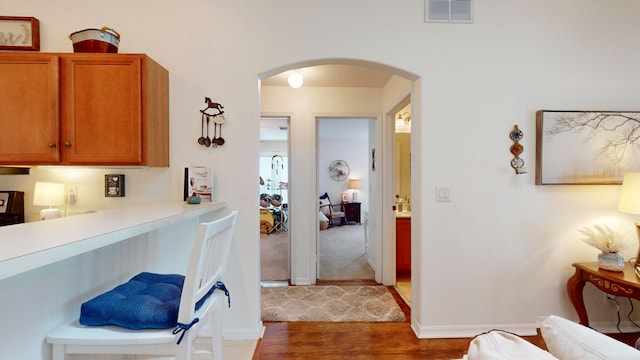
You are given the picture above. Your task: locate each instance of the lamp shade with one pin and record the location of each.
(48, 194)
(630, 194)
(354, 184)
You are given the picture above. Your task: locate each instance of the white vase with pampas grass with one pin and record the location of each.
(610, 242)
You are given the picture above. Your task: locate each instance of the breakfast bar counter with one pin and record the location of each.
(24, 247)
(49, 268)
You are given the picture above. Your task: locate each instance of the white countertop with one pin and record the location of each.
(403, 214)
(27, 246)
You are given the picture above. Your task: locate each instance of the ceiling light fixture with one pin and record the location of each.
(295, 80)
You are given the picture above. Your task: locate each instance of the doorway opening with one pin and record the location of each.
(355, 88)
(402, 206)
(343, 183)
(275, 243)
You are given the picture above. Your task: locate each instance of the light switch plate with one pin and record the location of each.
(443, 193)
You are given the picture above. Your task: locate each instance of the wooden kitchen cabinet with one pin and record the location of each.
(103, 109)
(29, 108)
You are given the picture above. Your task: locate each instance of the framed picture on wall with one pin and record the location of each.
(586, 147)
(373, 159)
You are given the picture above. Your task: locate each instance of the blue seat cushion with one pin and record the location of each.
(147, 301)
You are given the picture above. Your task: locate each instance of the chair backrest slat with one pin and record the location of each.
(207, 263)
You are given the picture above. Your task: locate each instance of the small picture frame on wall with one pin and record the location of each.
(19, 33)
(373, 159)
(114, 185)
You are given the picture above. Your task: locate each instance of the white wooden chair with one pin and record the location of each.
(206, 267)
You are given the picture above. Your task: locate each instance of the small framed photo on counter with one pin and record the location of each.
(198, 182)
(19, 33)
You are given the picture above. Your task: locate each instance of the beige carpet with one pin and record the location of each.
(330, 303)
(342, 255)
(274, 256)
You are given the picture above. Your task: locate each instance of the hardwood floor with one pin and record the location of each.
(331, 340)
(352, 341)
(316, 340)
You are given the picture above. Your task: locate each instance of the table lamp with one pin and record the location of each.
(355, 186)
(48, 194)
(630, 201)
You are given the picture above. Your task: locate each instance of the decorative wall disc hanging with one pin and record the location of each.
(339, 170)
(516, 149)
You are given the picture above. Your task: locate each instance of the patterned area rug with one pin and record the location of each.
(330, 303)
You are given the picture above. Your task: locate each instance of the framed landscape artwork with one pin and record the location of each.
(586, 147)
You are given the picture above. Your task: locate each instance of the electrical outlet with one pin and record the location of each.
(72, 194)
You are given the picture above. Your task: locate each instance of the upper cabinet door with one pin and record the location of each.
(83, 109)
(29, 112)
(101, 110)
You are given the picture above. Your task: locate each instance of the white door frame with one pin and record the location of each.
(387, 199)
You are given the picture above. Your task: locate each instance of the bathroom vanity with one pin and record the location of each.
(403, 241)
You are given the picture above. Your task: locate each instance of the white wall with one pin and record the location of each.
(347, 140)
(505, 244)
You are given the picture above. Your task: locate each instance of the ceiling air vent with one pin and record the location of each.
(451, 11)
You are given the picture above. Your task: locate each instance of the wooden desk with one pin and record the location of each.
(624, 284)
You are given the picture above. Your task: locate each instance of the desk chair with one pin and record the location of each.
(205, 271)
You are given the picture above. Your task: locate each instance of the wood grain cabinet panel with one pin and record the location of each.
(29, 110)
(403, 244)
(112, 109)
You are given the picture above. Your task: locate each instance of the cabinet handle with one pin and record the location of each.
(67, 144)
(51, 144)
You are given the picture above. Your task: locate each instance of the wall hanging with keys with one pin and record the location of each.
(212, 113)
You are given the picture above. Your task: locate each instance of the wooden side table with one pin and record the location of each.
(625, 284)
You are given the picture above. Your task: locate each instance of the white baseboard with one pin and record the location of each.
(467, 331)
(245, 334)
(235, 334)
(528, 329)
(302, 281)
(609, 327)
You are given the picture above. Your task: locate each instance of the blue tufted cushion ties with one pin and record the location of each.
(147, 301)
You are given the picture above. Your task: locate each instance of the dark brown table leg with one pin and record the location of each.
(575, 285)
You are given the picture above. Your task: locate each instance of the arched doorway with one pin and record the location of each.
(303, 178)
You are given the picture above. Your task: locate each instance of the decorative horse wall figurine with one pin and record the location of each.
(212, 105)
